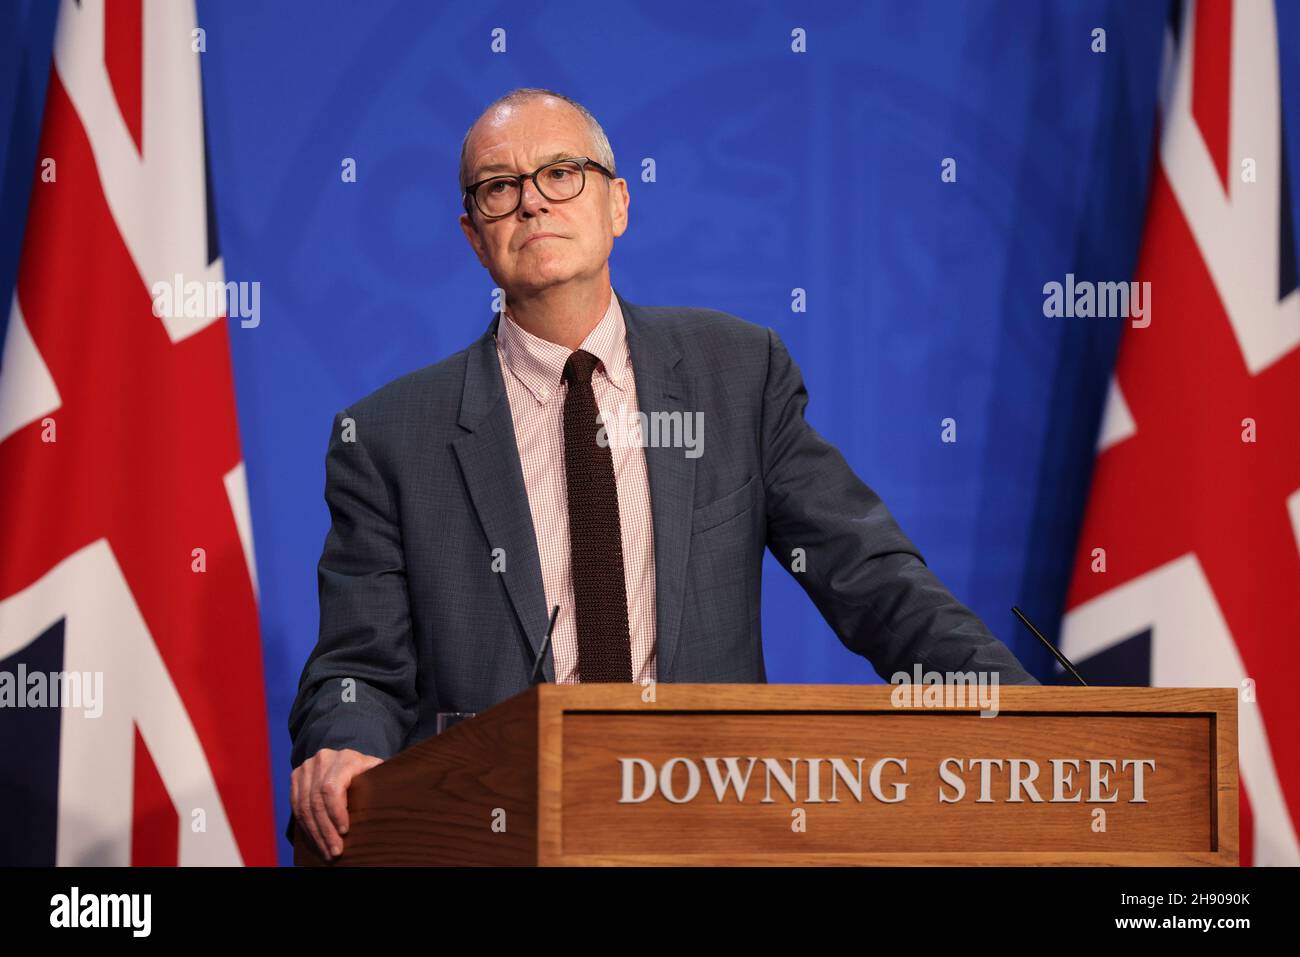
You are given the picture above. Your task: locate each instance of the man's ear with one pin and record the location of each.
(475, 241)
(619, 200)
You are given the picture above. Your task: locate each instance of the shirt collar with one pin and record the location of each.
(539, 364)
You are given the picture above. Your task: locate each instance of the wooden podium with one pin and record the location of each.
(809, 774)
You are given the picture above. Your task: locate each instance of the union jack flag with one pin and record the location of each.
(126, 541)
(1188, 567)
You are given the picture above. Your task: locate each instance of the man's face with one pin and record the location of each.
(519, 139)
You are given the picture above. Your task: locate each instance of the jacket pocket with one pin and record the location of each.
(725, 508)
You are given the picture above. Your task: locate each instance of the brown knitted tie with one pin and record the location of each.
(595, 539)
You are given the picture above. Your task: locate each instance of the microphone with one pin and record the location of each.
(541, 655)
(1050, 647)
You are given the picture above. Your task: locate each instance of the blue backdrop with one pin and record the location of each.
(775, 170)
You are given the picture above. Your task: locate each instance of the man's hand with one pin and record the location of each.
(319, 795)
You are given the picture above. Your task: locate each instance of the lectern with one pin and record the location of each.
(677, 774)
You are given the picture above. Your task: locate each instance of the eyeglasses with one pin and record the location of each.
(559, 181)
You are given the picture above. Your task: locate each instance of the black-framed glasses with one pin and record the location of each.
(559, 181)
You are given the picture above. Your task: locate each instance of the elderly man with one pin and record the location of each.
(471, 497)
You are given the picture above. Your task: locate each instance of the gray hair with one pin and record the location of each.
(602, 152)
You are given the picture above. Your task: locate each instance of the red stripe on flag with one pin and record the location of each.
(1211, 79)
(1246, 829)
(124, 58)
(155, 825)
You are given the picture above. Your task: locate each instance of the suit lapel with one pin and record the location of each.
(661, 386)
(489, 459)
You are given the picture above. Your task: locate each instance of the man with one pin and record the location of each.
(472, 496)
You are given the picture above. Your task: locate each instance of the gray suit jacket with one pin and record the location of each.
(412, 610)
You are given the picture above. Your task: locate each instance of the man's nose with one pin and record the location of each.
(532, 200)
